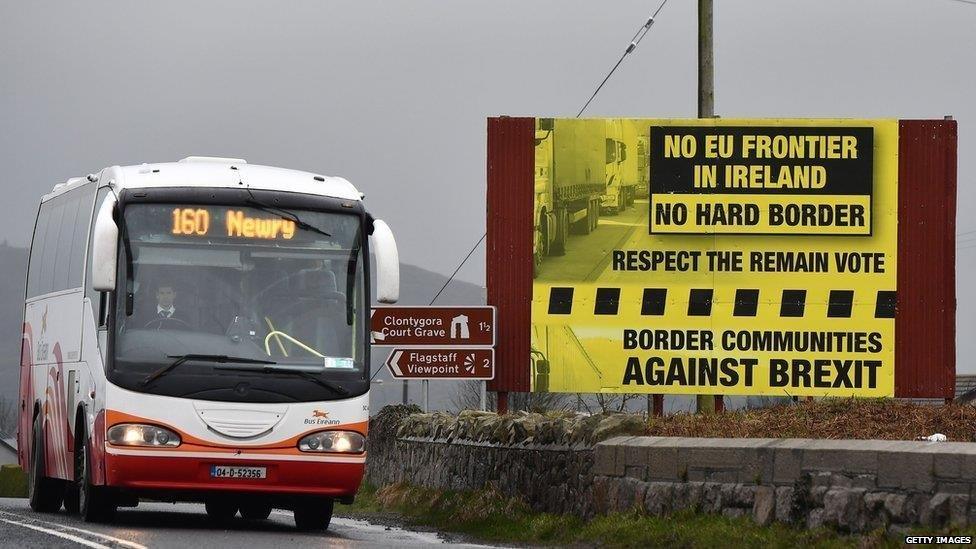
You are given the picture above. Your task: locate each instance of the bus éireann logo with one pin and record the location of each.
(320, 417)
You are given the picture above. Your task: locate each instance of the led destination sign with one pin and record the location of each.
(235, 224)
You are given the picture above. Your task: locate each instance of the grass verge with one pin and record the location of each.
(488, 516)
(833, 418)
(13, 482)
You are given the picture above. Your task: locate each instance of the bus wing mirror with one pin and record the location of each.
(105, 251)
(387, 263)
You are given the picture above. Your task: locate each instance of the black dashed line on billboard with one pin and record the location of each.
(607, 301)
(560, 301)
(746, 302)
(840, 303)
(793, 303)
(654, 302)
(886, 304)
(700, 302)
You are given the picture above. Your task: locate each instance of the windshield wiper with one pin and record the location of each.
(284, 214)
(180, 359)
(351, 280)
(334, 387)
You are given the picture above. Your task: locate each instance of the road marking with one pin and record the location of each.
(62, 535)
(105, 537)
(430, 538)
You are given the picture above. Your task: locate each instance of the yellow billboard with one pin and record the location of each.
(751, 257)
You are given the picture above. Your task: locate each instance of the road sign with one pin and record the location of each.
(433, 326)
(443, 363)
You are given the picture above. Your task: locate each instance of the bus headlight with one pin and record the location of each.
(137, 434)
(340, 442)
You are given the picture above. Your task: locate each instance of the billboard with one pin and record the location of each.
(754, 256)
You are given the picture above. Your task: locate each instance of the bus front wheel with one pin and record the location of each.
(44, 493)
(95, 503)
(314, 515)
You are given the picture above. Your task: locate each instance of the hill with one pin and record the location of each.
(417, 287)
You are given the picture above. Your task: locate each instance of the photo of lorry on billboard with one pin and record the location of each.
(753, 257)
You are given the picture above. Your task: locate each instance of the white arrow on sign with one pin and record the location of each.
(392, 363)
(375, 336)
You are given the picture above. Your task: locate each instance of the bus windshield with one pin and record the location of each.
(240, 303)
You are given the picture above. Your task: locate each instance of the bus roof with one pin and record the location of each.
(202, 171)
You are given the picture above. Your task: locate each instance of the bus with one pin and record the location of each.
(198, 331)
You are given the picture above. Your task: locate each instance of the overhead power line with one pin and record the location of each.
(463, 261)
(448, 281)
(634, 41)
(638, 36)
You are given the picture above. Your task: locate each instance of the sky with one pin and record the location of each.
(394, 95)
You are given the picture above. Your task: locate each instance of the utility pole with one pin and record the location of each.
(706, 109)
(706, 74)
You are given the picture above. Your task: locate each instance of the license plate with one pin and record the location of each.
(231, 471)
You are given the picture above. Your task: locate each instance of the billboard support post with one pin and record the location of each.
(706, 109)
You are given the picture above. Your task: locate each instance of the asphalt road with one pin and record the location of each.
(186, 525)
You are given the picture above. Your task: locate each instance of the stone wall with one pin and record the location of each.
(850, 485)
(551, 479)
(545, 460)
(560, 464)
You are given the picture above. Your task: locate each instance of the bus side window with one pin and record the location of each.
(79, 238)
(99, 300)
(50, 256)
(68, 204)
(37, 251)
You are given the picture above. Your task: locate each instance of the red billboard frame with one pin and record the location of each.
(925, 326)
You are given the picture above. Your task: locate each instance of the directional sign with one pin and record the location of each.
(433, 326)
(442, 363)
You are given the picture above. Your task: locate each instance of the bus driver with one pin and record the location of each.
(165, 315)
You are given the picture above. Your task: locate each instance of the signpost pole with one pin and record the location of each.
(706, 109)
(484, 396)
(425, 385)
